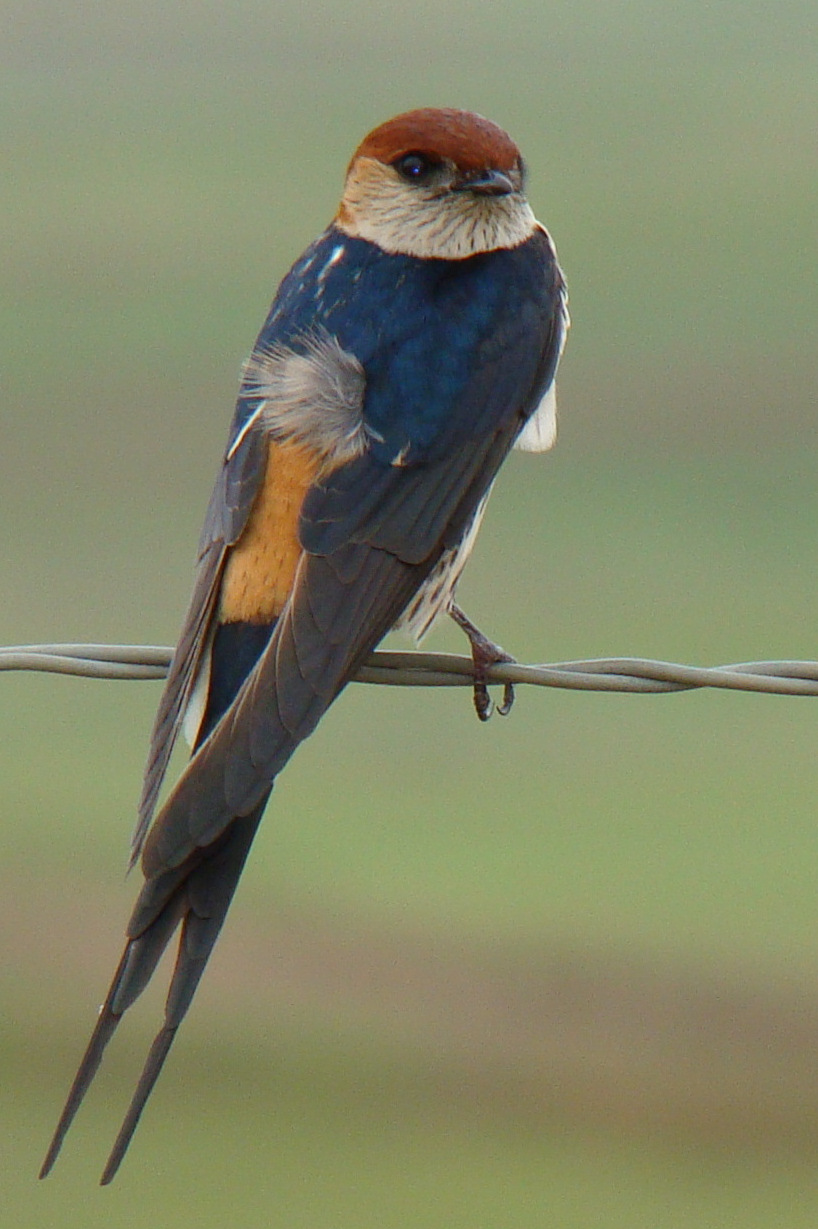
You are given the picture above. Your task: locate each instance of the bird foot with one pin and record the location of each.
(484, 653)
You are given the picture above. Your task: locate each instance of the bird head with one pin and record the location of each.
(437, 184)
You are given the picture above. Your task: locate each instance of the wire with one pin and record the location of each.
(412, 669)
(100, 661)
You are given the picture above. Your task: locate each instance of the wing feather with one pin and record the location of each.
(227, 513)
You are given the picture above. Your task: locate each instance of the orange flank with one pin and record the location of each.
(261, 566)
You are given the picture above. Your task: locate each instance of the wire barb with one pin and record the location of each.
(637, 675)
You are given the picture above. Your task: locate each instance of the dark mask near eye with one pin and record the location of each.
(415, 167)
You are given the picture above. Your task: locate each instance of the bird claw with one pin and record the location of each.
(484, 653)
(504, 708)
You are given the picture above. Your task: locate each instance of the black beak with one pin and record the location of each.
(485, 183)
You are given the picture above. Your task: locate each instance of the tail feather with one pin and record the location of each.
(102, 1034)
(200, 900)
(143, 953)
(154, 897)
(150, 1074)
(268, 687)
(208, 892)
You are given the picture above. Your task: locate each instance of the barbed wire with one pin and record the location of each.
(415, 669)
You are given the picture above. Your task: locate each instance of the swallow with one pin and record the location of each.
(408, 350)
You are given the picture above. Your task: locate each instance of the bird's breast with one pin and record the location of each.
(260, 569)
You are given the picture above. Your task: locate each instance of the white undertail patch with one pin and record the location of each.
(196, 705)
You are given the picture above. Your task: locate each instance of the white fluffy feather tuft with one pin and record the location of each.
(313, 398)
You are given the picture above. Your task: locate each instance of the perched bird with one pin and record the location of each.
(406, 352)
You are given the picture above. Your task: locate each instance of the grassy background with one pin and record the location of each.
(164, 164)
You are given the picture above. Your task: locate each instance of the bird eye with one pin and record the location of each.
(415, 167)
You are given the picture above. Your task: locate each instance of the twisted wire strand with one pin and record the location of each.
(414, 669)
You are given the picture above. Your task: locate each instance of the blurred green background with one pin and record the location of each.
(561, 970)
